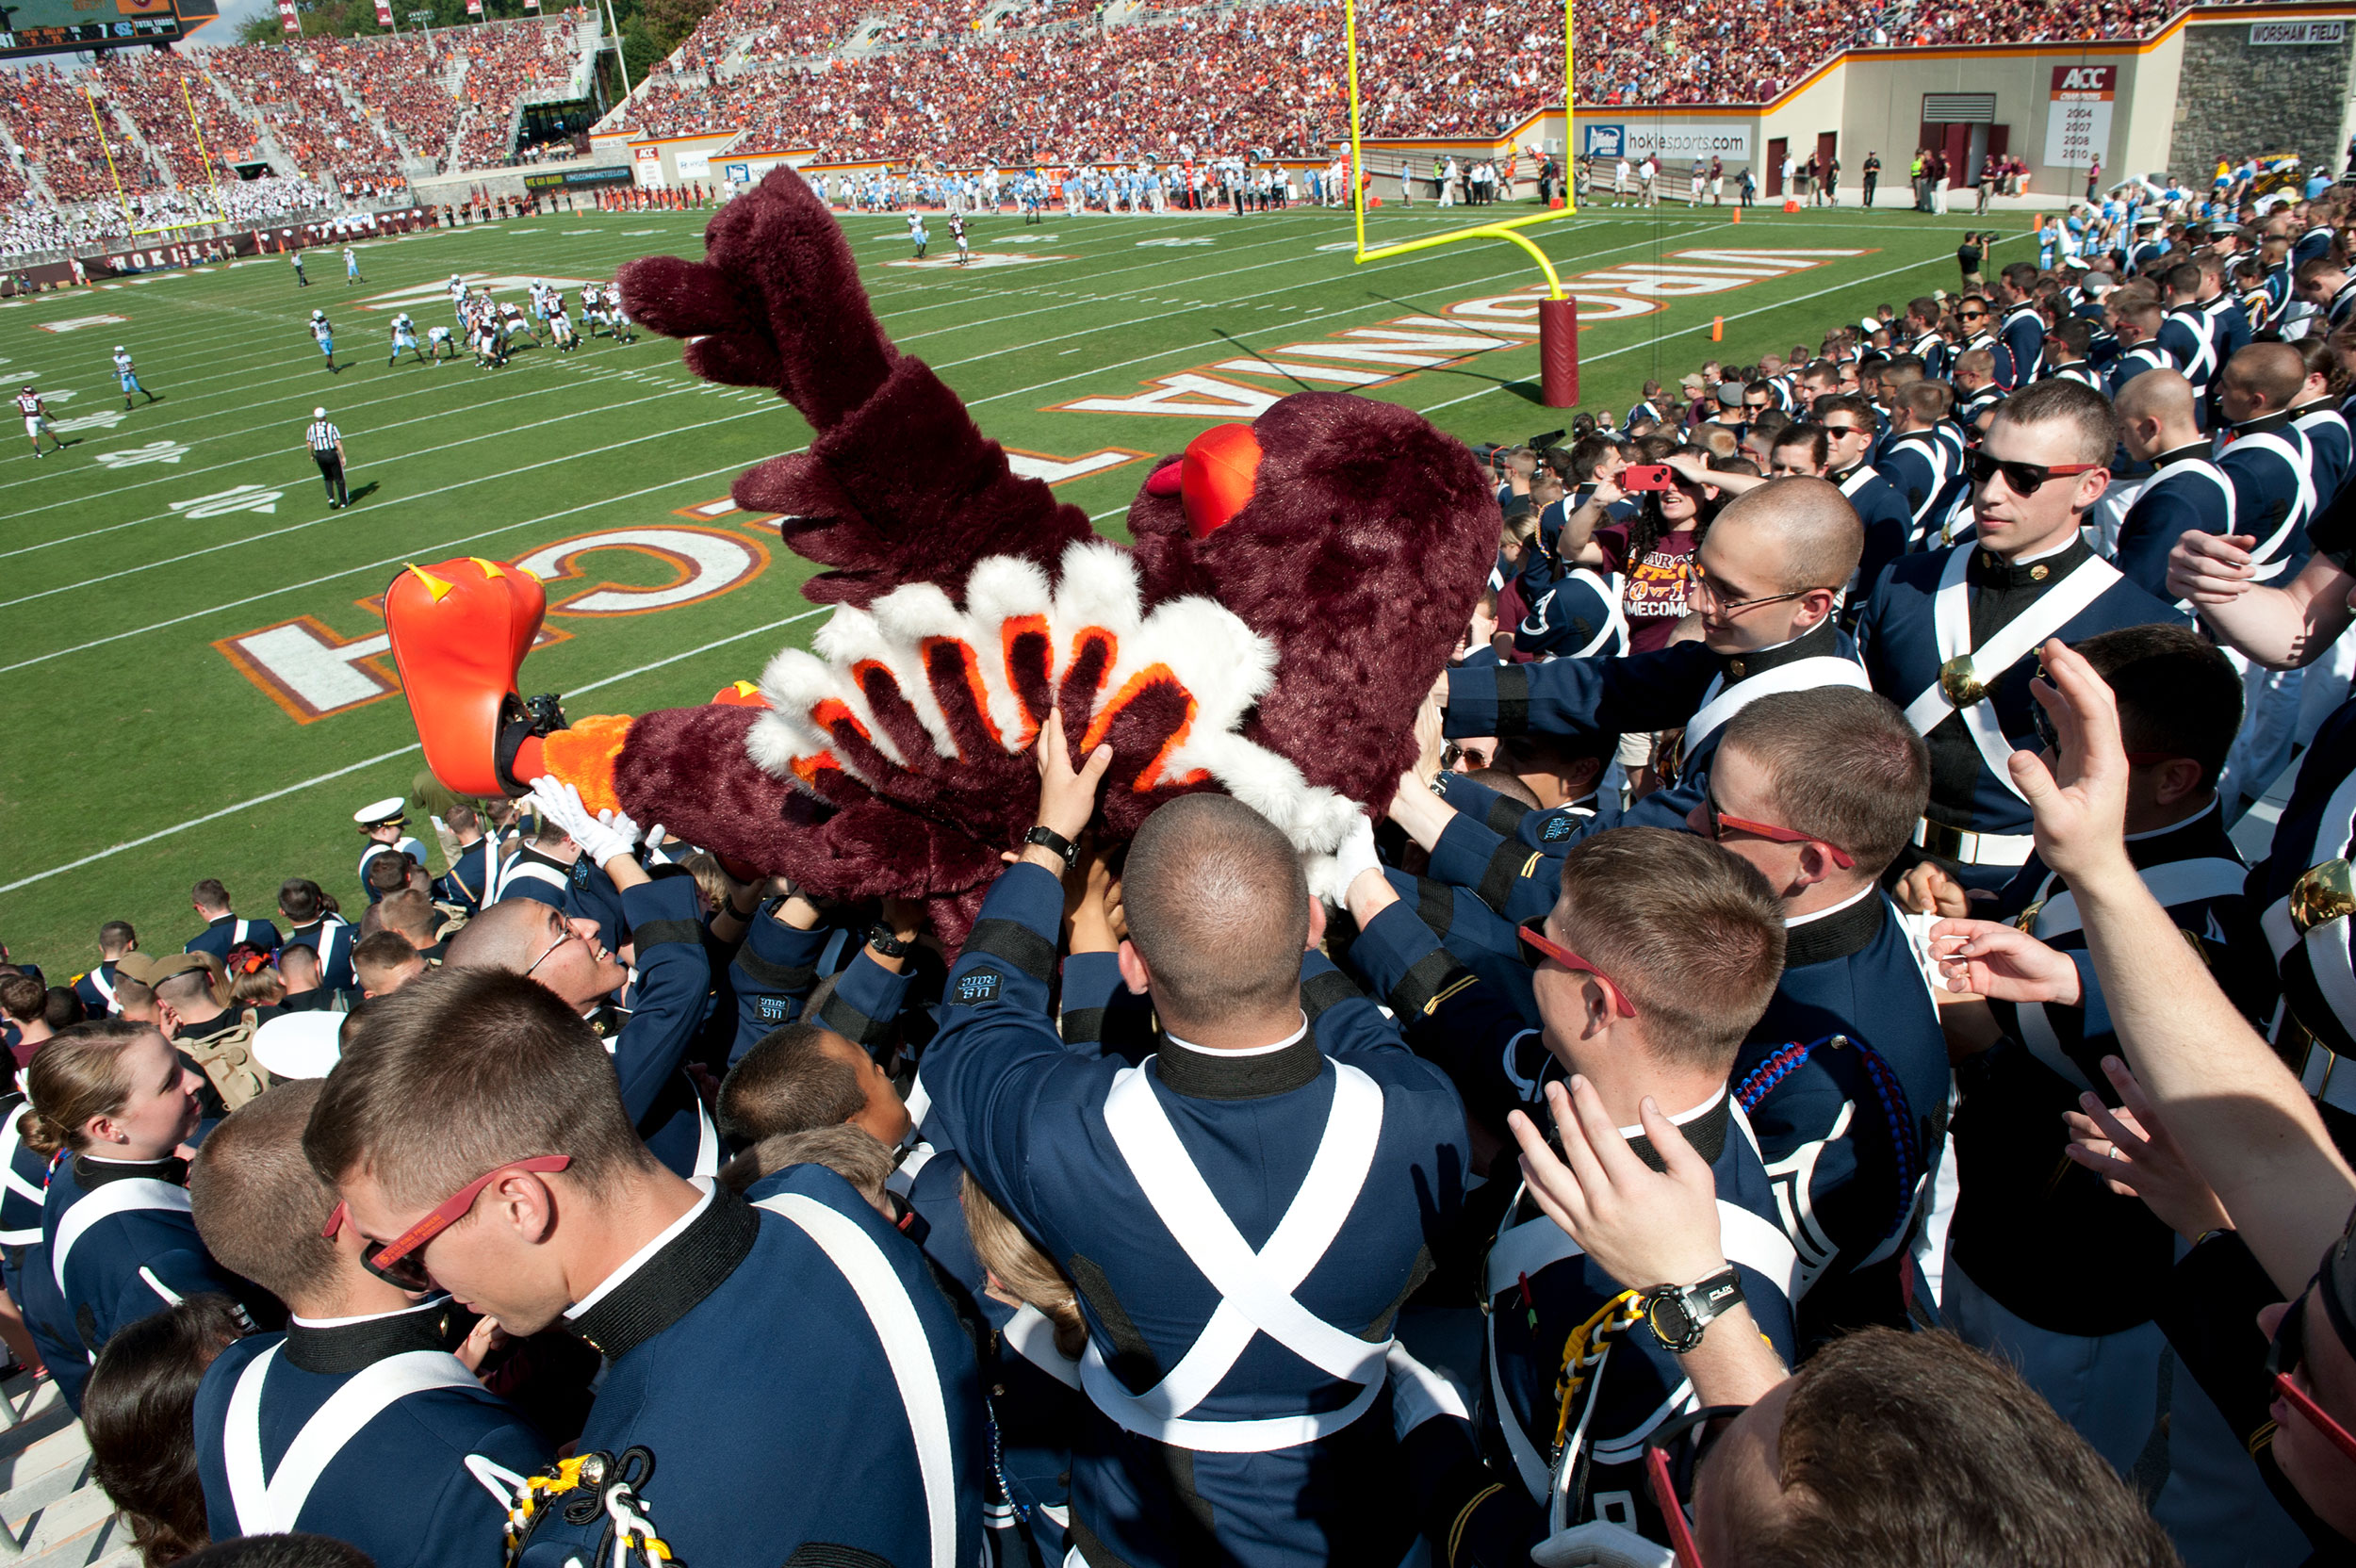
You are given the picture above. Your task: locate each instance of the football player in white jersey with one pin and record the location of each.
(957, 232)
(128, 378)
(616, 318)
(404, 337)
(36, 411)
(437, 339)
(917, 235)
(324, 335)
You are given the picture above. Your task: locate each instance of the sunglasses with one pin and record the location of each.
(1720, 821)
(2022, 479)
(1971, 316)
(2287, 1354)
(402, 1260)
(1672, 1481)
(2043, 722)
(1543, 947)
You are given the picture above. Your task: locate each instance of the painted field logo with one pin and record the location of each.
(1360, 357)
(980, 259)
(77, 323)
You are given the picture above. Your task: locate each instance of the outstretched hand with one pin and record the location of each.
(1645, 1227)
(2081, 804)
(2131, 1151)
(1986, 958)
(1067, 796)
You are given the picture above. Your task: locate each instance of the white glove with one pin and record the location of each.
(1418, 1394)
(1600, 1543)
(601, 836)
(1355, 853)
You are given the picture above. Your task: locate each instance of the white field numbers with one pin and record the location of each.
(2078, 126)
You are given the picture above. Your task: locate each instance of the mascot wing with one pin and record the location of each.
(933, 710)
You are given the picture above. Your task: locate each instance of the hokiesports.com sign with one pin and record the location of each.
(1667, 139)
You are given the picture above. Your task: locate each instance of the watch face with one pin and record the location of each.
(1672, 1324)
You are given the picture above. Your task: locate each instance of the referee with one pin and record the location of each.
(327, 449)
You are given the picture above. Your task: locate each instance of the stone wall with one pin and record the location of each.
(2237, 99)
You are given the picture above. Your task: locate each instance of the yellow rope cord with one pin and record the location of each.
(1585, 1347)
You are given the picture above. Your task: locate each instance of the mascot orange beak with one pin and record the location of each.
(1213, 479)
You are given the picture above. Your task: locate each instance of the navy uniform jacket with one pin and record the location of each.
(467, 883)
(2273, 491)
(798, 1378)
(2326, 432)
(2039, 1234)
(2315, 243)
(2183, 337)
(23, 1185)
(1576, 616)
(1925, 469)
(2186, 494)
(1039, 1127)
(332, 939)
(404, 1487)
(1845, 1082)
(228, 932)
(2021, 346)
(1887, 517)
(96, 990)
(405, 845)
(2147, 355)
(1507, 855)
(533, 874)
(2228, 326)
(649, 1042)
(1682, 685)
(780, 965)
(131, 1257)
(1538, 1286)
(2313, 967)
(1902, 657)
(1932, 351)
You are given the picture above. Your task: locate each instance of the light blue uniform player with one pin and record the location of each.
(404, 337)
(128, 376)
(917, 235)
(325, 337)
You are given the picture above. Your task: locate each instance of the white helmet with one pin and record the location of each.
(319, 414)
(318, 316)
(118, 348)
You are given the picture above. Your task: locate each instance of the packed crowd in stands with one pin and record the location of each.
(1802, 988)
(508, 64)
(29, 226)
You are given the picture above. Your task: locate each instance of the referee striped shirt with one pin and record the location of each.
(322, 436)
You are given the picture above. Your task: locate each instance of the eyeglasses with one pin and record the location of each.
(2285, 1355)
(1720, 821)
(1847, 429)
(2043, 722)
(1698, 586)
(1545, 947)
(402, 1260)
(570, 935)
(1971, 316)
(2022, 479)
(1673, 1482)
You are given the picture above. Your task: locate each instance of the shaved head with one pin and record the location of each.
(1808, 522)
(2159, 394)
(2273, 370)
(507, 936)
(1217, 909)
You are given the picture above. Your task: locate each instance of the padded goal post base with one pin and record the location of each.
(1558, 352)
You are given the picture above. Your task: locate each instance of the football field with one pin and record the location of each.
(193, 660)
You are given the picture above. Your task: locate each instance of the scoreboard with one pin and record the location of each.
(48, 26)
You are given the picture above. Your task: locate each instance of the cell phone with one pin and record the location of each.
(1647, 476)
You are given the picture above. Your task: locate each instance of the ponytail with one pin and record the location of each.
(77, 1075)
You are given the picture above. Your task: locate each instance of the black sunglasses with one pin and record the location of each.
(2022, 479)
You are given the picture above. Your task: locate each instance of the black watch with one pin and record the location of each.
(1055, 844)
(879, 936)
(1677, 1315)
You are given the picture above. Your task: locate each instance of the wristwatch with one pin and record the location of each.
(1055, 844)
(879, 936)
(1677, 1315)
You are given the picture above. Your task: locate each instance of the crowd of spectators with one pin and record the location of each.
(30, 226)
(1820, 1002)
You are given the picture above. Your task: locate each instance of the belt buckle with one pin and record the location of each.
(1940, 839)
(1960, 682)
(2322, 895)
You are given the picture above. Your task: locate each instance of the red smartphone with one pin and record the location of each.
(1646, 476)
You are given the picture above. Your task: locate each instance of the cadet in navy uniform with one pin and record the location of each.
(1845, 1079)
(223, 929)
(310, 925)
(648, 1043)
(789, 945)
(2048, 1266)
(2071, 339)
(784, 1383)
(1924, 458)
(1952, 634)
(2020, 336)
(2302, 889)
(95, 988)
(1767, 576)
(381, 823)
(468, 883)
(117, 1242)
(2316, 414)
(358, 1422)
(1655, 964)
(2184, 335)
(2186, 491)
(541, 868)
(1887, 517)
(23, 1185)
(1243, 1214)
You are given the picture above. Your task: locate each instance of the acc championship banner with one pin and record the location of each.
(2077, 125)
(1667, 139)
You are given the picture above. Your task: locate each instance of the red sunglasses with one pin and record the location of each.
(387, 1262)
(2285, 1355)
(1547, 947)
(1720, 821)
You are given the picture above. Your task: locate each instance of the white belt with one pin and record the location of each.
(2328, 1078)
(1974, 849)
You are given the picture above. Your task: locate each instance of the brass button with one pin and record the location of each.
(2038, 574)
(1735, 668)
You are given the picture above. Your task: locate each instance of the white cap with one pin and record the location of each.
(319, 414)
(300, 1045)
(118, 348)
(388, 809)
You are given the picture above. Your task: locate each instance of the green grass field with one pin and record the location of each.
(175, 590)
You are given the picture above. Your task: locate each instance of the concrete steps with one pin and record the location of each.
(52, 1515)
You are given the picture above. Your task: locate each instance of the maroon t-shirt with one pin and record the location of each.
(1652, 593)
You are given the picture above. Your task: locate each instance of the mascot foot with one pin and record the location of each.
(460, 631)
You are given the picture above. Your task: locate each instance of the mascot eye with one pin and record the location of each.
(1217, 476)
